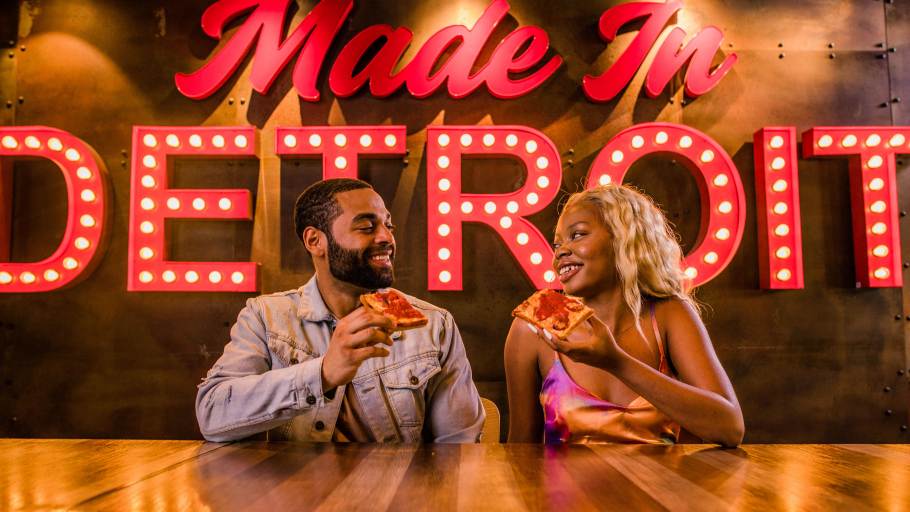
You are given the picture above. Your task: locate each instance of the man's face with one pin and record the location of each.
(361, 244)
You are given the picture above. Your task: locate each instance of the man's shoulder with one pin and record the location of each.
(291, 298)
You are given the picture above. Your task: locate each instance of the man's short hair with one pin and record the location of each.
(317, 205)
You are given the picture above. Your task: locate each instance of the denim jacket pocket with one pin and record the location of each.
(287, 350)
(405, 384)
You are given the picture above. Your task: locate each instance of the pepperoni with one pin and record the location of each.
(553, 305)
(398, 306)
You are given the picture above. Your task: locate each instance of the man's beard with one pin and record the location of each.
(354, 267)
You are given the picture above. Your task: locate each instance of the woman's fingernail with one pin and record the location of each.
(533, 329)
(547, 334)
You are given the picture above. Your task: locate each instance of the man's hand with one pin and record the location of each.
(357, 337)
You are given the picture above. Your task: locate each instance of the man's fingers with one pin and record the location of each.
(364, 353)
(368, 337)
(368, 318)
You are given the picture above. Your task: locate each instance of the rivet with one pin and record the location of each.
(830, 45)
(881, 56)
(404, 161)
(903, 427)
(22, 48)
(571, 151)
(900, 372)
(11, 54)
(896, 99)
(682, 101)
(898, 317)
(407, 151)
(123, 152)
(903, 213)
(9, 104)
(123, 163)
(831, 55)
(887, 389)
(879, 45)
(892, 49)
(780, 45)
(11, 43)
(242, 101)
(230, 101)
(570, 162)
(672, 101)
(781, 56)
(21, 99)
(883, 104)
(907, 264)
(888, 412)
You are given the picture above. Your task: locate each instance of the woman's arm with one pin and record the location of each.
(702, 401)
(523, 384)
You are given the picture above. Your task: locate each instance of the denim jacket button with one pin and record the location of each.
(319, 426)
(311, 399)
(414, 380)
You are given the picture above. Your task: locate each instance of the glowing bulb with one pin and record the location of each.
(779, 186)
(777, 142)
(542, 162)
(444, 254)
(224, 204)
(32, 142)
(51, 275)
(881, 273)
(661, 138)
(237, 277)
(782, 252)
(83, 173)
(543, 182)
(685, 142)
(241, 141)
(72, 155)
(849, 141)
(511, 140)
(505, 222)
(691, 273)
(604, 179)
(82, 243)
(707, 156)
(782, 230)
(880, 250)
(875, 161)
(340, 140)
(778, 163)
(783, 274)
(489, 140)
(195, 141)
(6, 278)
(172, 140)
(466, 139)
(215, 276)
(445, 276)
(314, 140)
(147, 227)
(532, 198)
(616, 156)
(365, 140)
(444, 207)
(878, 207)
(27, 277)
(721, 180)
(70, 263)
(876, 184)
(54, 143)
(896, 140)
(443, 140)
(710, 258)
(218, 141)
(291, 141)
(879, 228)
(199, 204)
(780, 208)
(725, 207)
(191, 276)
(443, 162)
(536, 258)
(168, 276)
(443, 230)
(146, 253)
(147, 203)
(722, 234)
(444, 184)
(531, 146)
(638, 141)
(522, 239)
(549, 276)
(489, 207)
(87, 195)
(873, 140)
(512, 207)
(467, 207)
(87, 221)
(390, 140)
(341, 162)
(148, 181)
(173, 203)
(825, 141)
(149, 161)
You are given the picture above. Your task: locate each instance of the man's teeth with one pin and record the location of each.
(568, 268)
(381, 257)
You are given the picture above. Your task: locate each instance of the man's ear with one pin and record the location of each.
(314, 241)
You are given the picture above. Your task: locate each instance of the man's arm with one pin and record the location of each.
(242, 395)
(454, 411)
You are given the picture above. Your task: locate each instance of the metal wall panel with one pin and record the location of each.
(96, 361)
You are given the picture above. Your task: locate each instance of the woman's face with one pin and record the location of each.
(583, 248)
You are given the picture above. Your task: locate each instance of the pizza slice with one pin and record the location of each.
(395, 305)
(553, 311)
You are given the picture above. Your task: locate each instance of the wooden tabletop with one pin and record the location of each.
(191, 475)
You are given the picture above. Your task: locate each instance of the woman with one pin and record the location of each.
(643, 365)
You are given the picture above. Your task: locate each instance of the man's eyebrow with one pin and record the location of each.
(370, 217)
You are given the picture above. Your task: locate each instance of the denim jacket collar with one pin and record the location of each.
(313, 309)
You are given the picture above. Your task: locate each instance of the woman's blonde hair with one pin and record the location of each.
(645, 247)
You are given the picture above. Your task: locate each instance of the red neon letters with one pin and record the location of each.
(670, 57)
(340, 146)
(87, 210)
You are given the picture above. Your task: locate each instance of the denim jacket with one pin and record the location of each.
(270, 378)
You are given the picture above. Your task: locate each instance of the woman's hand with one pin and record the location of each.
(590, 343)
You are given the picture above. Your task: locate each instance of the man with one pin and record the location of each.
(312, 364)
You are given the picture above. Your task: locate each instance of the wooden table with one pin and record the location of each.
(191, 475)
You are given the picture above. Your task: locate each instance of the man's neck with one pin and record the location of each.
(341, 298)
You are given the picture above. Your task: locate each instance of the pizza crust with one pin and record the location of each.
(377, 302)
(570, 312)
